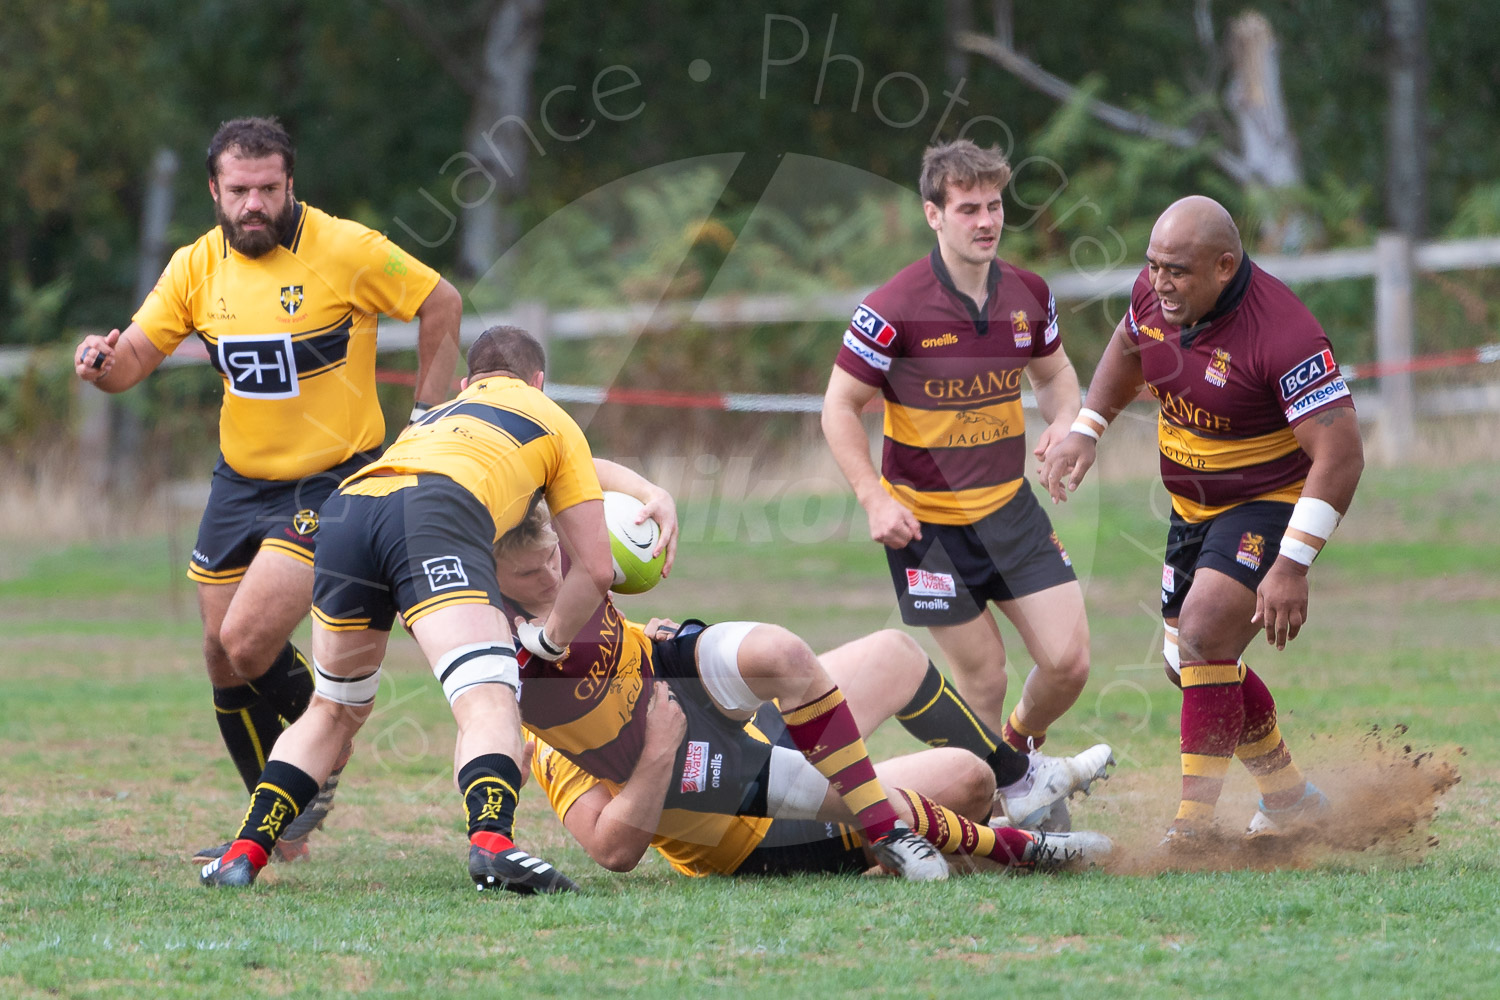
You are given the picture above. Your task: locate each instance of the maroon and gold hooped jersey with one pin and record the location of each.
(1231, 388)
(955, 433)
(585, 704)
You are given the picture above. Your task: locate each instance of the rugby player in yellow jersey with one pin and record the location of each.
(286, 299)
(623, 765)
(411, 533)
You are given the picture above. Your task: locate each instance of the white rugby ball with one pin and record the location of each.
(631, 544)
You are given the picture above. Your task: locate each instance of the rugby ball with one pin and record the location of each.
(631, 544)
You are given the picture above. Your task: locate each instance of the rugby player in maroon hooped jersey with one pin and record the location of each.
(1260, 450)
(945, 342)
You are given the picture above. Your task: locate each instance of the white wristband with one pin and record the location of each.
(535, 641)
(1315, 517)
(418, 411)
(1090, 423)
(1298, 552)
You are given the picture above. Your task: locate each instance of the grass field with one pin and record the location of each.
(111, 772)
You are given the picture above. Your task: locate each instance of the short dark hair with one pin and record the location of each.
(962, 163)
(507, 349)
(252, 138)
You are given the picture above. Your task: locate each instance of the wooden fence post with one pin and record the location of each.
(1394, 327)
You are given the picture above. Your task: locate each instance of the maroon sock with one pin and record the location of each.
(1213, 717)
(825, 731)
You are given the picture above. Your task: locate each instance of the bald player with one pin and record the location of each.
(1261, 453)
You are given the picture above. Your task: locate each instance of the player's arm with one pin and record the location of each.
(1055, 384)
(658, 504)
(616, 831)
(845, 399)
(438, 318)
(1117, 381)
(591, 571)
(118, 361)
(1331, 439)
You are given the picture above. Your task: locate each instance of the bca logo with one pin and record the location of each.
(291, 298)
(259, 367)
(1305, 374)
(445, 572)
(305, 522)
(871, 324)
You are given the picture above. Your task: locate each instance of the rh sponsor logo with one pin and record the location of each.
(445, 572)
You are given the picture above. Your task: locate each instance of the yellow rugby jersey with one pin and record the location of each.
(694, 843)
(497, 439)
(292, 334)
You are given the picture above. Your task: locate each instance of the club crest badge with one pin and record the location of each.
(1217, 372)
(291, 298)
(1020, 327)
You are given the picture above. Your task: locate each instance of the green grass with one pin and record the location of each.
(110, 771)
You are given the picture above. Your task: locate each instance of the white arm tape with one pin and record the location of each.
(1085, 424)
(477, 663)
(1314, 517)
(1298, 552)
(356, 691)
(418, 411)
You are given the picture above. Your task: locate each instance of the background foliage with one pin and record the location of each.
(377, 94)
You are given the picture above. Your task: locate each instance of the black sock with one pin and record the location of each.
(284, 790)
(288, 685)
(249, 727)
(938, 716)
(490, 784)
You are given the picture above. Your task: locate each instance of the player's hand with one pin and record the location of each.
(666, 725)
(1281, 602)
(1064, 465)
(95, 357)
(662, 628)
(891, 524)
(663, 508)
(1051, 435)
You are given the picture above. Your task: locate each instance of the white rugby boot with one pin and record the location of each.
(1026, 803)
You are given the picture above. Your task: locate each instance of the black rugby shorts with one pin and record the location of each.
(947, 576)
(415, 550)
(1242, 542)
(244, 515)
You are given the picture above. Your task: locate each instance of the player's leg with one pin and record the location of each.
(1029, 784)
(1213, 569)
(470, 650)
(745, 664)
(887, 673)
(944, 794)
(347, 664)
(976, 656)
(1213, 629)
(1055, 630)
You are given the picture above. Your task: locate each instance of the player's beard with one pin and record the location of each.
(256, 242)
